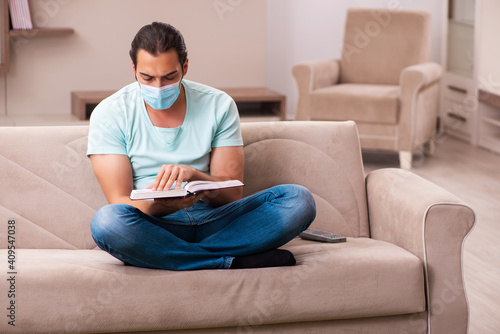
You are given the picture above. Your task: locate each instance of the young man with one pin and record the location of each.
(162, 131)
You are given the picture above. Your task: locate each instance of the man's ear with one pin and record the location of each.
(133, 69)
(185, 67)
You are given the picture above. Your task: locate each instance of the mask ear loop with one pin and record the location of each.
(135, 75)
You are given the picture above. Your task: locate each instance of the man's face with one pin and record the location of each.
(161, 70)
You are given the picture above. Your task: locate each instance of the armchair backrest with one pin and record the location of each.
(380, 43)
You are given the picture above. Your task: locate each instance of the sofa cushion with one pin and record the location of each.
(88, 290)
(357, 102)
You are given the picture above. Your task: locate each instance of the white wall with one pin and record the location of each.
(464, 10)
(488, 50)
(225, 41)
(231, 43)
(299, 30)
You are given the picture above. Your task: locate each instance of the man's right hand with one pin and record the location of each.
(173, 204)
(114, 173)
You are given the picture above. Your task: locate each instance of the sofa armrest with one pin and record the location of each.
(419, 96)
(313, 75)
(431, 223)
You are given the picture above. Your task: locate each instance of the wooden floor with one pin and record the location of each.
(473, 174)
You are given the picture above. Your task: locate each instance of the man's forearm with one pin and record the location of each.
(149, 207)
(219, 197)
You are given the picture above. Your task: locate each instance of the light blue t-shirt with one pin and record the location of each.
(120, 124)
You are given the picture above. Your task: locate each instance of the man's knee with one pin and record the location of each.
(301, 200)
(107, 218)
(306, 202)
(300, 194)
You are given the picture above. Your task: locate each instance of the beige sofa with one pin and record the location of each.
(400, 270)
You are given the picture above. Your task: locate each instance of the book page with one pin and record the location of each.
(190, 187)
(152, 194)
(197, 186)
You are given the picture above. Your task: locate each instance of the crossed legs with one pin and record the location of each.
(202, 237)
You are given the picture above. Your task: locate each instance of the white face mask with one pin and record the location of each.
(160, 98)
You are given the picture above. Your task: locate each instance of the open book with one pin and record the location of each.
(190, 188)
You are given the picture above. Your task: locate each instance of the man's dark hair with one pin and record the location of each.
(156, 38)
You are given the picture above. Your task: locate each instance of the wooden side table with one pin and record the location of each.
(258, 102)
(84, 102)
(254, 103)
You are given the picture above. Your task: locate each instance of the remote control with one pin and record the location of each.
(318, 235)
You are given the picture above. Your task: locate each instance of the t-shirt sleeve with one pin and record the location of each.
(228, 132)
(106, 135)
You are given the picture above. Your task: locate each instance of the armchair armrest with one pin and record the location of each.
(421, 74)
(312, 75)
(419, 95)
(431, 223)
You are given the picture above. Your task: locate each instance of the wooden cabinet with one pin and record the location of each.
(488, 53)
(4, 36)
(489, 120)
(459, 115)
(459, 107)
(470, 95)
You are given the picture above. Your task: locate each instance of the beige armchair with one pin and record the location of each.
(383, 81)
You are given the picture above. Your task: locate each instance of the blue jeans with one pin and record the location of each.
(203, 237)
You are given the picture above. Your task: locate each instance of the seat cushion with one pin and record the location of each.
(357, 102)
(88, 290)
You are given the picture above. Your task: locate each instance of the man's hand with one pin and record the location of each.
(114, 173)
(168, 174)
(178, 203)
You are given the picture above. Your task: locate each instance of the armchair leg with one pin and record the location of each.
(405, 159)
(429, 148)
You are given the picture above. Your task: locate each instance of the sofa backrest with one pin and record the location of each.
(48, 186)
(50, 191)
(380, 43)
(324, 157)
